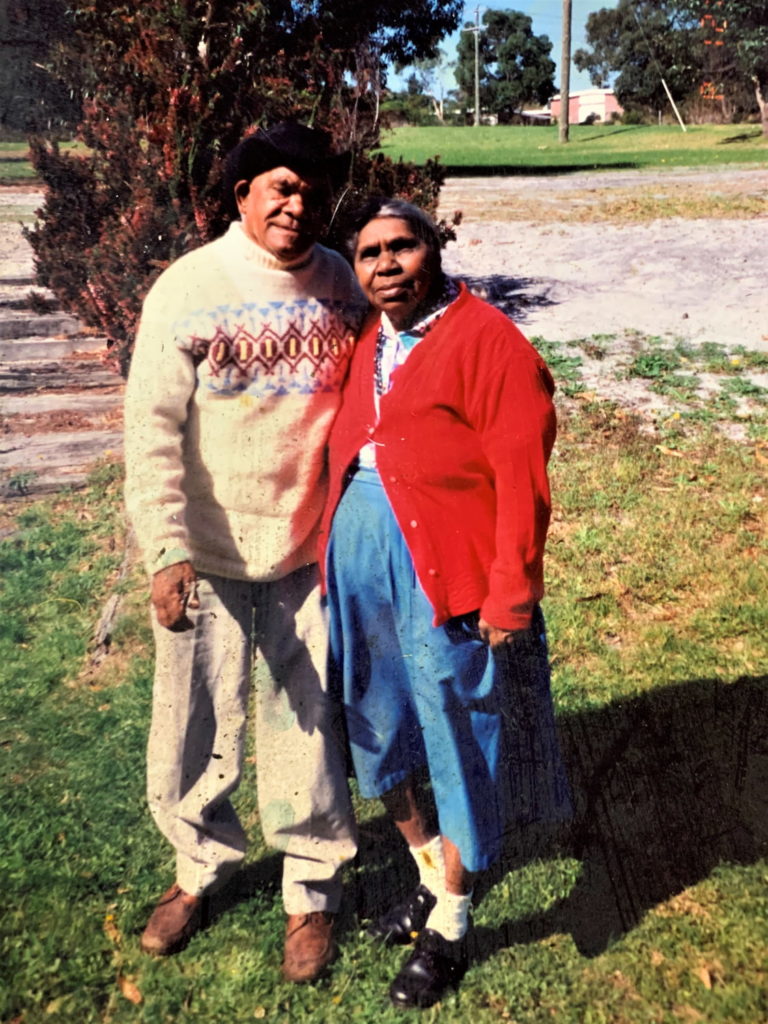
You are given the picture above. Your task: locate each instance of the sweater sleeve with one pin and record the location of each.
(160, 384)
(509, 401)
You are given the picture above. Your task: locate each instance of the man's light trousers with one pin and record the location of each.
(196, 742)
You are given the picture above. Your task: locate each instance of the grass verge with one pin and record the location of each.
(15, 166)
(652, 907)
(526, 150)
(708, 196)
(518, 150)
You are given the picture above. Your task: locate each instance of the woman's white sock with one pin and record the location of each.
(450, 915)
(431, 864)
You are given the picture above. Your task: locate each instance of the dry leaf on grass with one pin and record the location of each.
(682, 905)
(710, 974)
(687, 1013)
(111, 930)
(130, 990)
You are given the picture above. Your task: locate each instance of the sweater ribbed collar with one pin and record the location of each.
(254, 253)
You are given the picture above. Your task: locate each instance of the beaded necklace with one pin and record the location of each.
(408, 338)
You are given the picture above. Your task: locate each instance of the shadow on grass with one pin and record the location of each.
(741, 137)
(259, 878)
(666, 785)
(619, 130)
(535, 170)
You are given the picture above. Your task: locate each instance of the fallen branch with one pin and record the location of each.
(102, 635)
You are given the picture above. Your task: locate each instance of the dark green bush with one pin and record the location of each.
(169, 89)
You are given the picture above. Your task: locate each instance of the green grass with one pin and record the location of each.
(16, 172)
(14, 163)
(15, 167)
(536, 150)
(654, 907)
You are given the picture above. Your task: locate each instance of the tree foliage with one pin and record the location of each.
(710, 49)
(169, 87)
(31, 98)
(643, 41)
(426, 95)
(742, 27)
(515, 68)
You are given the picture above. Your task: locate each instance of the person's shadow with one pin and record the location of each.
(666, 786)
(515, 296)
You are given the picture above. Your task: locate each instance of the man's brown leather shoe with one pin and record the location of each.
(309, 945)
(174, 921)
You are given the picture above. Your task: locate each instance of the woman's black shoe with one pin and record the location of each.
(434, 966)
(401, 924)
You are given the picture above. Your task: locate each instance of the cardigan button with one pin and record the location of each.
(393, 479)
(432, 572)
(414, 524)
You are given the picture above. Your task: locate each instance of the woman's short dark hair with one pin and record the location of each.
(419, 222)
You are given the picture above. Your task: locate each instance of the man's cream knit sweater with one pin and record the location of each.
(234, 384)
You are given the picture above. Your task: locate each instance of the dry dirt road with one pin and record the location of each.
(565, 255)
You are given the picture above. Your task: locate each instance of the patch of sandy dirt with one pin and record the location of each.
(60, 420)
(688, 278)
(577, 266)
(616, 196)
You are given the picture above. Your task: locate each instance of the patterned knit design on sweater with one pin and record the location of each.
(235, 381)
(301, 346)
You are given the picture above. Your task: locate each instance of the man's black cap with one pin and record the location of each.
(307, 151)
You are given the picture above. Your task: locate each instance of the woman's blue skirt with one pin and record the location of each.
(417, 695)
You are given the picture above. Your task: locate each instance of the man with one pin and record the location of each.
(240, 355)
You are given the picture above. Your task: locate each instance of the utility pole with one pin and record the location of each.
(477, 67)
(476, 31)
(565, 75)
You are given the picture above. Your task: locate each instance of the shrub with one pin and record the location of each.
(633, 117)
(169, 89)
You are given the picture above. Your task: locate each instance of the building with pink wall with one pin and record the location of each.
(601, 103)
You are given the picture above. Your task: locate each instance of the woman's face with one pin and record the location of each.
(393, 267)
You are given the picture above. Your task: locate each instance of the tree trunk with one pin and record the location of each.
(761, 93)
(437, 108)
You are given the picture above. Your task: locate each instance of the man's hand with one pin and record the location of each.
(495, 636)
(174, 589)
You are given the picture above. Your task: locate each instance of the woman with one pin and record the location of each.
(439, 506)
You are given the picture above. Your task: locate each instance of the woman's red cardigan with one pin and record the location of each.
(462, 444)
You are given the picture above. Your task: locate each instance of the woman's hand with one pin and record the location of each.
(495, 636)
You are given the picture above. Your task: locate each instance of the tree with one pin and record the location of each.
(427, 80)
(688, 42)
(642, 41)
(31, 99)
(409, 105)
(515, 67)
(742, 28)
(169, 87)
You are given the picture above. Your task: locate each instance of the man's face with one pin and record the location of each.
(282, 211)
